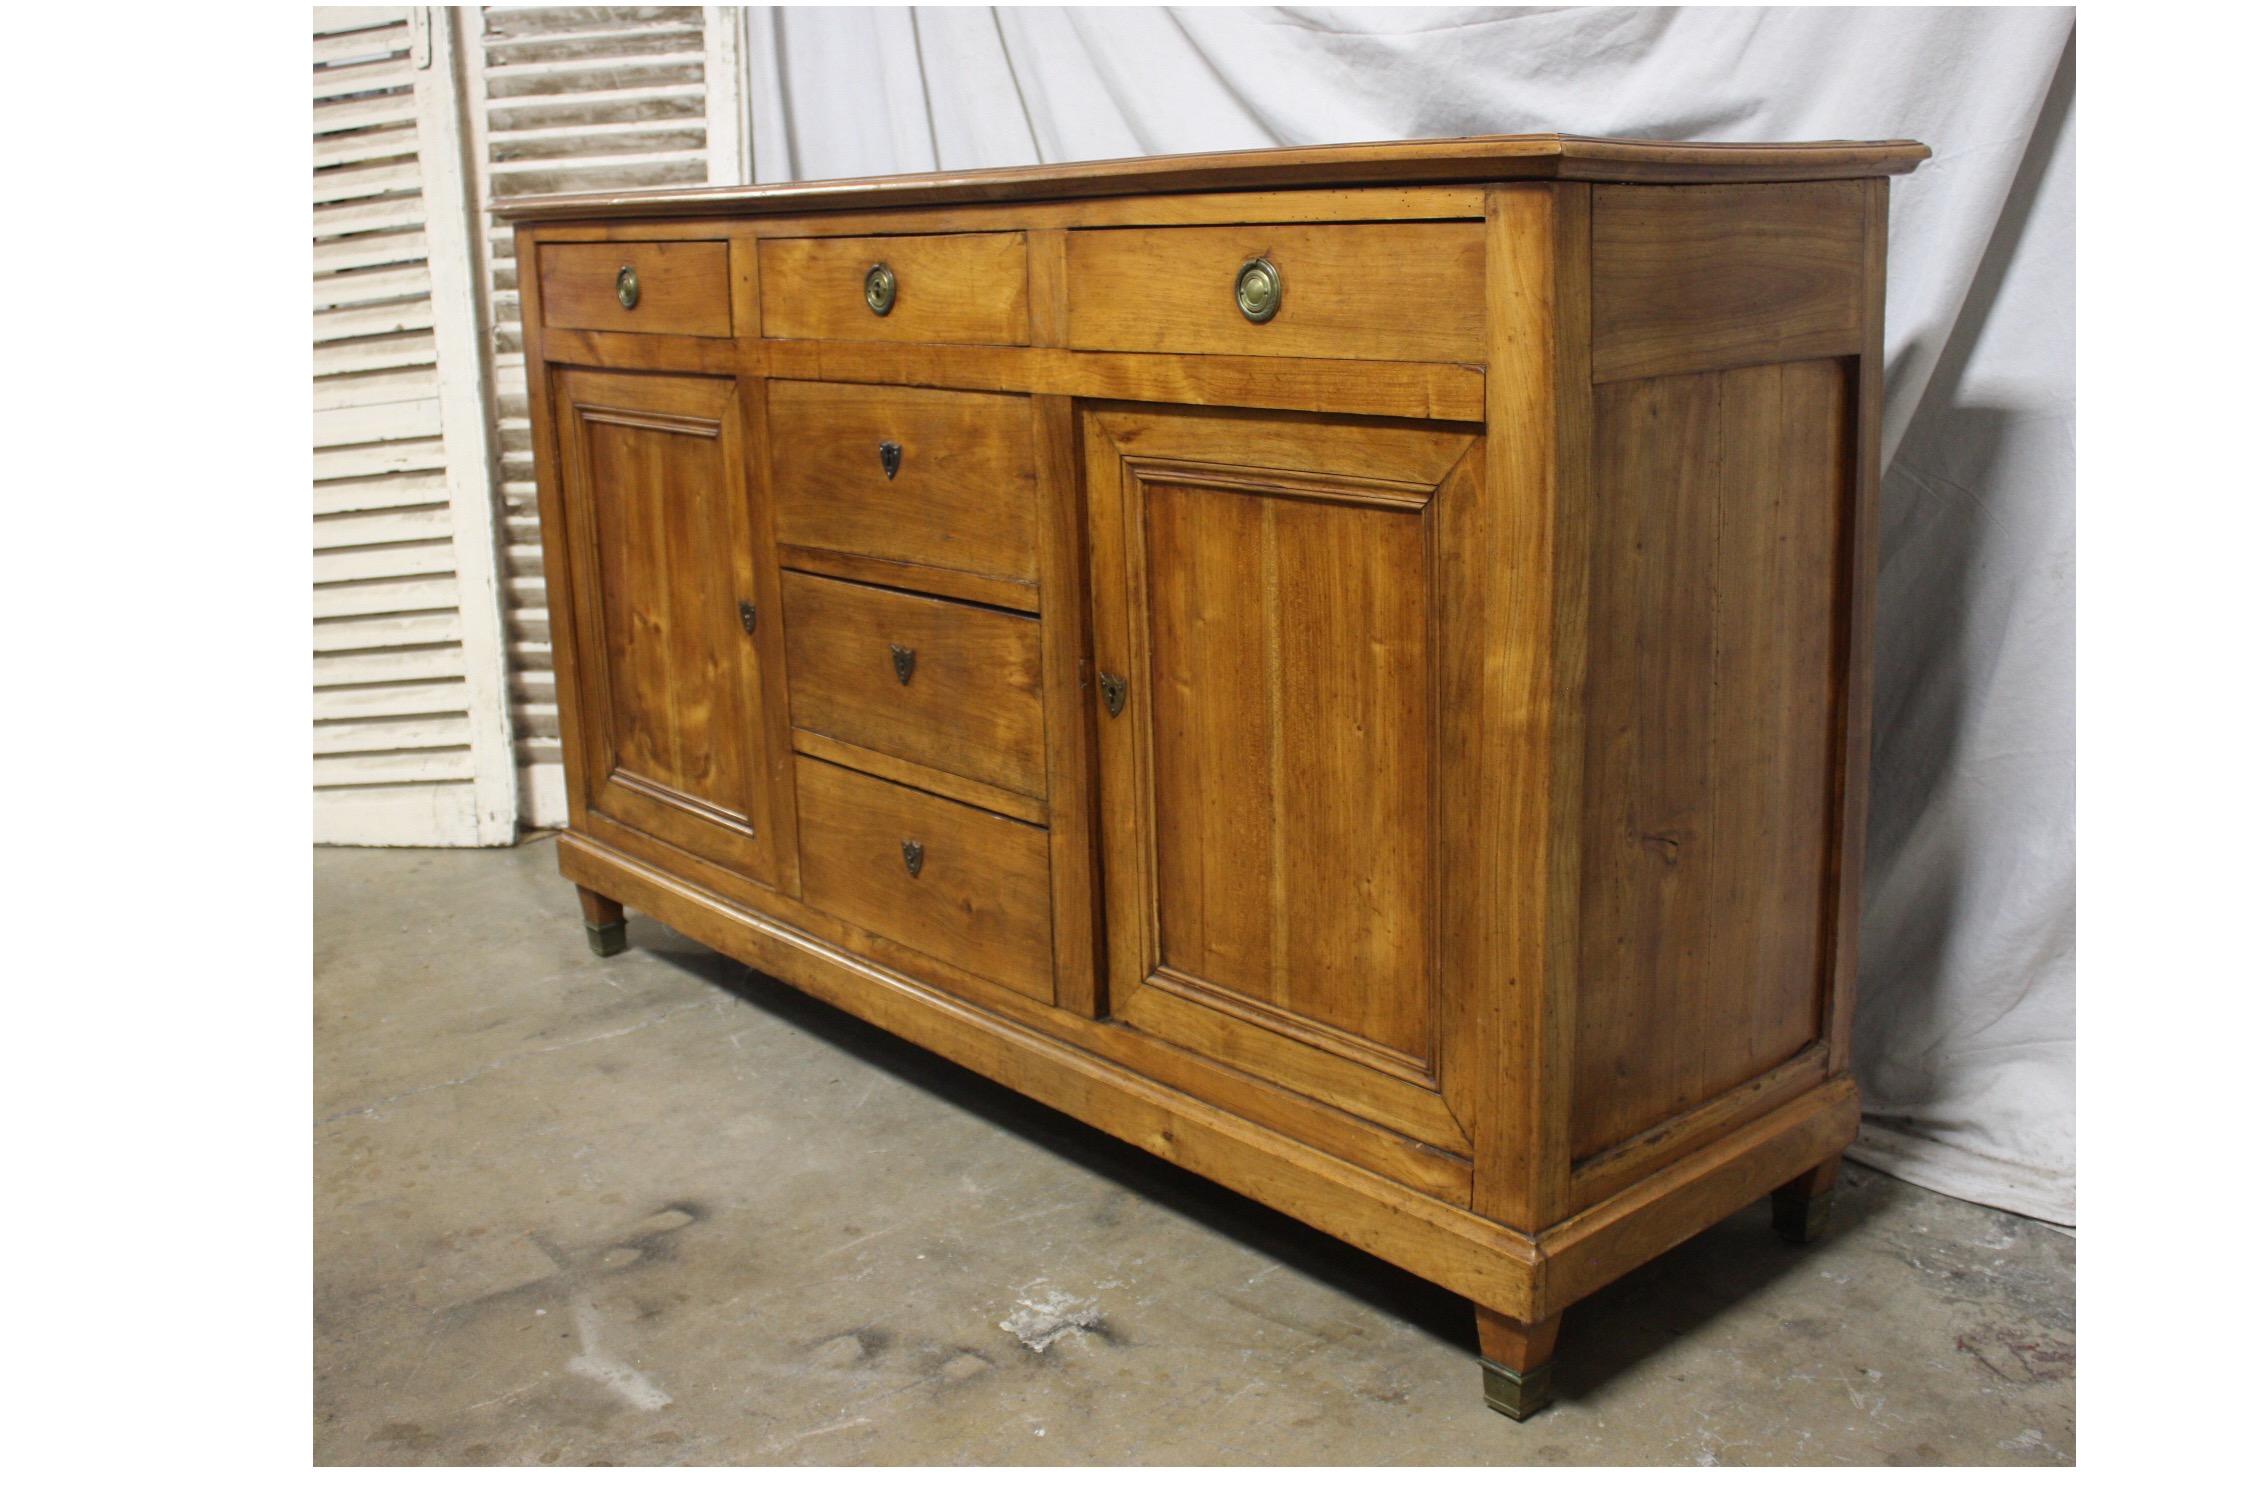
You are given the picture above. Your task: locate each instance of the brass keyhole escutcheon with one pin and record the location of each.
(912, 857)
(749, 615)
(630, 287)
(1261, 289)
(889, 458)
(1115, 692)
(904, 662)
(879, 287)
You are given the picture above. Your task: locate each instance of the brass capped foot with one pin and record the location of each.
(1516, 1361)
(1518, 1395)
(607, 939)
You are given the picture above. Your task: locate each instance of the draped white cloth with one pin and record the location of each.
(1965, 1037)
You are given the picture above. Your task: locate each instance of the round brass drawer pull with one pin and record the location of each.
(879, 287)
(630, 287)
(1261, 288)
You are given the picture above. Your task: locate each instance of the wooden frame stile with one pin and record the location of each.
(1855, 760)
(1068, 682)
(1538, 395)
(449, 227)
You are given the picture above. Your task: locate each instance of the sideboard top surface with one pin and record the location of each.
(1370, 164)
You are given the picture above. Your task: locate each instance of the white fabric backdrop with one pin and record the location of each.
(1966, 1027)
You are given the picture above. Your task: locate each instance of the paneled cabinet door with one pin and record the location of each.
(669, 629)
(1285, 606)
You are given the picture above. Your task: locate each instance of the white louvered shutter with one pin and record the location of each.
(570, 99)
(410, 735)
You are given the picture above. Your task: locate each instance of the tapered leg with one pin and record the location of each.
(1516, 1362)
(606, 922)
(1801, 1207)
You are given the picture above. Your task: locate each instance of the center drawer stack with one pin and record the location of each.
(907, 531)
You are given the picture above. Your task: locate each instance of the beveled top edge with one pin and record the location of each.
(1360, 165)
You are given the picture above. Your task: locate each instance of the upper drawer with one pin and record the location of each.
(1363, 291)
(640, 286)
(938, 289)
(958, 493)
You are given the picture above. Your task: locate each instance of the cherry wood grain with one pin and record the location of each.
(972, 702)
(961, 499)
(1272, 818)
(1851, 789)
(653, 479)
(1471, 870)
(684, 287)
(1698, 279)
(1715, 598)
(1385, 291)
(980, 899)
(1462, 159)
(952, 289)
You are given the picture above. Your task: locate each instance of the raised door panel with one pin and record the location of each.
(674, 740)
(1272, 594)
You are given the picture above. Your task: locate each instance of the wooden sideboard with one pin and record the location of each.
(1347, 668)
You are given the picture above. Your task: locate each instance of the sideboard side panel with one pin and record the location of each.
(1735, 358)
(1711, 761)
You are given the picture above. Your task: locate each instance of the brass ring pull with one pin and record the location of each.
(630, 287)
(879, 287)
(1261, 289)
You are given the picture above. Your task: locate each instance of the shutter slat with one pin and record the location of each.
(335, 184)
(371, 388)
(359, 114)
(333, 670)
(414, 348)
(357, 701)
(364, 146)
(369, 250)
(388, 734)
(384, 561)
(386, 284)
(365, 529)
(403, 213)
(694, 158)
(383, 422)
(593, 65)
(377, 459)
(386, 598)
(372, 492)
(332, 20)
(412, 629)
(452, 765)
(382, 318)
(363, 78)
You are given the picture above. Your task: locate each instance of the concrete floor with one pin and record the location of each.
(661, 1209)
